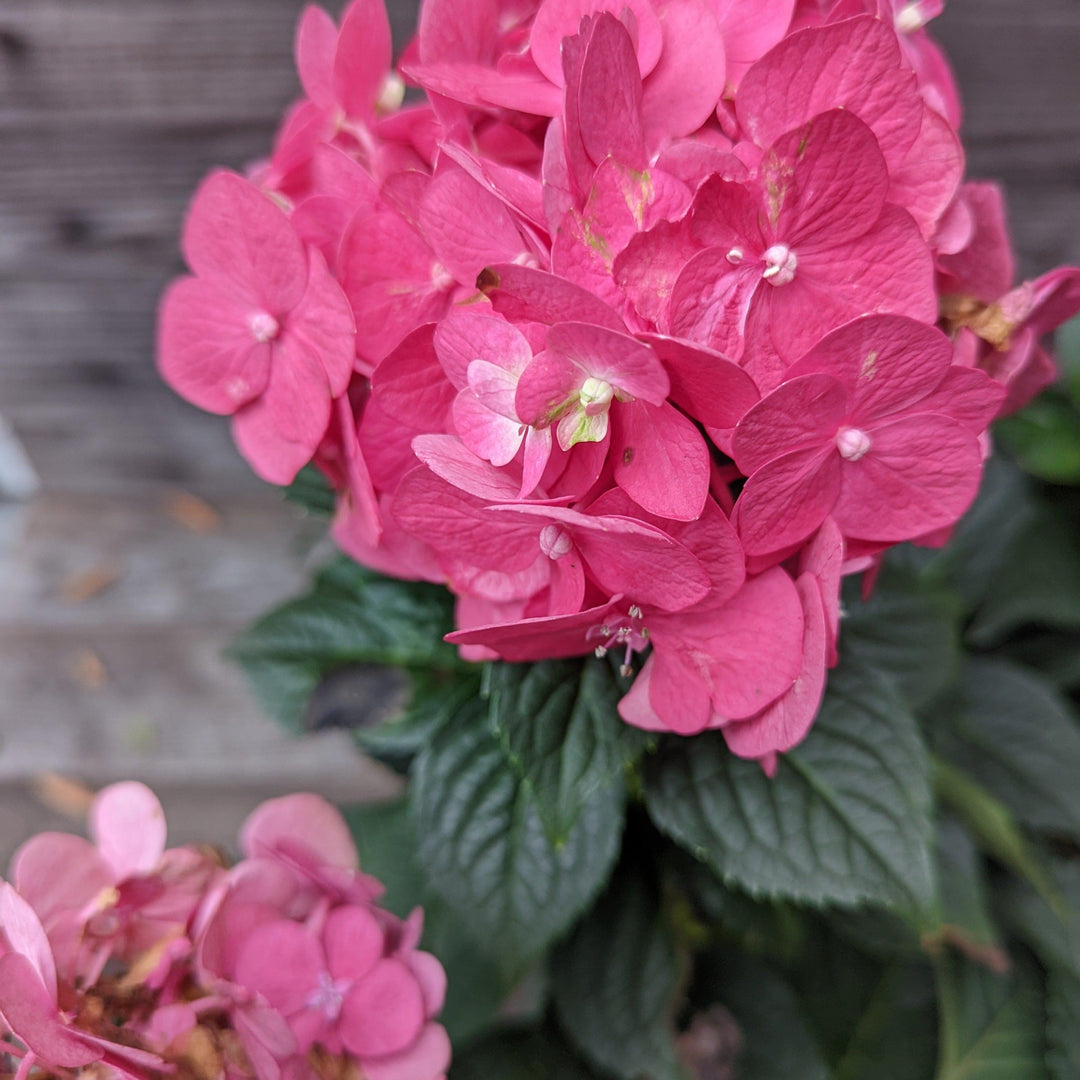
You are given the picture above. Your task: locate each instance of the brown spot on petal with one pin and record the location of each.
(628, 455)
(487, 280)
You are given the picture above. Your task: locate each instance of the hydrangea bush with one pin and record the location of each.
(612, 349)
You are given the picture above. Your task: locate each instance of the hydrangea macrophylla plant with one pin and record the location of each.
(135, 960)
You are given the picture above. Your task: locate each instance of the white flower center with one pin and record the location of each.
(595, 396)
(852, 443)
(781, 263)
(328, 997)
(910, 18)
(264, 327)
(555, 542)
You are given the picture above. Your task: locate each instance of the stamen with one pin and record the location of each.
(555, 542)
(910, 18)
(264, 327)
(328, 997)
(441, 278)
(782, 263)
(595, 395)
(852, 443)
(735, 256)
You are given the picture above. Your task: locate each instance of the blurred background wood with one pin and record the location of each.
(114, 604)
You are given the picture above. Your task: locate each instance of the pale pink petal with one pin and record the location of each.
(353, 939)
(661, 460)
(303, 819)
(448, 457)
(786, 500)
(635, 706)
(466, 335)
(21, 928)
(363, 57)
(128, 825)
(921, 472)
(427, 1059)
(383, 1013)
(786, 722)
(58, 872)
(486, 433)
(207, 351)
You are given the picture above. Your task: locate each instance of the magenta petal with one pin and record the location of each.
(661, 460)
(823, 559)
(803, 414)
(32, 1014)
(305, 820)
(710, 301)
(128, 825)
(785, 723)
(755, 642)
(630, 366)
(383, 1013)
(282, 961)
(427, 1059)
(523, 294)
(785, 500)
(238, 235)
(364, 54)
(547, 386)
(929, 177)
(984, 268)
(411, 385)
(316, 43)
(354, 941)
(968, 395)
(921, 472)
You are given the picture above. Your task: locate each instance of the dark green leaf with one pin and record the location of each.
(558, 722)
(522, 1054)
(313, 492)
(482, 845)
(475, 987)
(909, 627)
(992, 1025)
(1049, 925)
(1044, 438)
(763, 1005)
(1063, 1025)
(846, 819)
(1015, 736)
(616, 984)
(1053, 654)
(351, 616)
(1038, 582)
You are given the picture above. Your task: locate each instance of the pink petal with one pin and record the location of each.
(661, 460)
(684, 87)
(750, 31)
(31, 1013)
(630, 366)
(635, 706)
(823, 559)
(128, 826)
(523, 294)
(755, 642)
(458, 30)
(432, 979)
(316, 44)
(238, 235)
(353, 939)
(410, 384)
(680, 687)
(559, 19)
(305, 820)
(427, 1059)
(927, 180)
(786, 722)
(467, 335)
(968, 395)
(382, 1014)
(984, 268)
(853, 65)
(710, 301)
(887, 362)
(207, 351)
(323, 321)
(705, 383)
(801, 415)
(648, 267)
(282, 961)
(921, 472)
(486, 433)
(547, 386)
(22, 930)
(363, 58)
(58, 872)
(481, 86)
(786, 500)
(449, 458)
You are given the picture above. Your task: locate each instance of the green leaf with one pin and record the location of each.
(1054, 655)
(1063, 1025)
(476, 988)
(763, 1005)
(1037, 584)
(1044, 438)
(909, 627)
(313, 492)
(616, 984)
(522, 1054)
(992, 1026)
(558, 723)
(351, 616)
(483, 847)
(846, 818)
(1049, 925)
(1015, 736)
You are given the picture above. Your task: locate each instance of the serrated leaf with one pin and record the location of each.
(558, 723)
(526, 1054)
(909, 628)
(1063, 1025)
(846, 818)
(351, 616)
(762, 1004)
(1044, 438)
(1016, 737)
(476, 988)
(616, 984)
(483, 847)
(312, 491)
(992, 1025)
(1038, 582)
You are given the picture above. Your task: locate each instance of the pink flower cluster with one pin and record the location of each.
(132, 960)
(649, 322)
